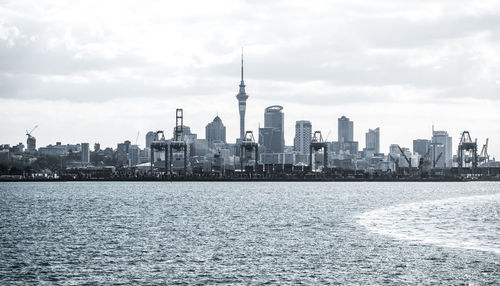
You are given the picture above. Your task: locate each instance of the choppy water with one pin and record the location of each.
(249, 233)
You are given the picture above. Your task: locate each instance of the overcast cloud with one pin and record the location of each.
(99, 71)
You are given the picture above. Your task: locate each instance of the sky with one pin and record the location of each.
(109, 71)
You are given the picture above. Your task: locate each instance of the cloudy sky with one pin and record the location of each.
(102, 71)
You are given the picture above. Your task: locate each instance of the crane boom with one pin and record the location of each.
(404, 155)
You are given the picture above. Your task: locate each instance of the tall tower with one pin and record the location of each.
(242, 102)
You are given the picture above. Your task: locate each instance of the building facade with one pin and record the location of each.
(373, 140)
(421, 146)
(345, 129)
(441, 143)
(85, 152)
(215, 131)
(272, 136)
(302, 139)
(150, 137)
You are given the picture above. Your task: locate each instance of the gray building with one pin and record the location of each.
(373, 140)
(442, 143)
(150, 137)
(272, 136)
(85, 152)
(345, 129)
(186, 131)
(302, 140)
(215, 131)
(420, 146)
(30, 144)
(122, 153)
(133, 155)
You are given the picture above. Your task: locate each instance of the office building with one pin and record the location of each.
(421, 146)
(373, 140)
(85, 152)
(441, 143)
(272, 136)
(303, 134)
(150, 137)
(215, 131)
(345, 129)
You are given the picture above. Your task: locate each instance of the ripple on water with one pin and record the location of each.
(470, 222)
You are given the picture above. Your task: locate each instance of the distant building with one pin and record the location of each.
(373, 140)
(122, 153)
(133, 155)
(31, 144)
(215, 131)
(302, 140)
(97, 147)
(345, 129)
(272, 136)
(85, 152)
(186, 130)
(150, 137)
(441, 143)
(421, 146)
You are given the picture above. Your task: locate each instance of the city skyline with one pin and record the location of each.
(104, 83)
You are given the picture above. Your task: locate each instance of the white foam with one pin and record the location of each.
(464, 222)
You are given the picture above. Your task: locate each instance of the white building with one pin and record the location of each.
(302, 140)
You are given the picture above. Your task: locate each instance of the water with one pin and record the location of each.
(151, 233)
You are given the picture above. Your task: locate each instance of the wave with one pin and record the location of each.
(471, 222)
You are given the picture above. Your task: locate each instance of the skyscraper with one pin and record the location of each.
(242, 102)
(373, 140)
(215, 131)
(421, 146)
(272, 136)
(345, 129)
(441, 143)
(303, 133)
(150, 137)
(85, 153)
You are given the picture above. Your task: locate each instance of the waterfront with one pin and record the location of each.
(249, 233)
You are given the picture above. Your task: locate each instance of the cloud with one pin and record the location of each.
(305, 54)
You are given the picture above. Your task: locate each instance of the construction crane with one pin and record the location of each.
(317, 144)
(396, 163)
(437, 159)
(467, 150)
(137, 137)
(404, 155)
(29, 133)
(483, 156)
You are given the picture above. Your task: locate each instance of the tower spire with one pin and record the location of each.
(242, 65)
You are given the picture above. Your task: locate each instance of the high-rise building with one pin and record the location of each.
(242, 97)
(345, 129)
(97, 147)
(421, 146)
(373, 140)
(441, 143)
(302, 140)
(122, 153)
(85, 152)
(30, 144)
(133, 155)
(272, 136)
(150, 137)
(215, 131)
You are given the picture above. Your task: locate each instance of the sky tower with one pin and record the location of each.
(242, 101)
